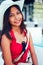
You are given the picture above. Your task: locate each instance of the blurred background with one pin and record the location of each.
(33, 18)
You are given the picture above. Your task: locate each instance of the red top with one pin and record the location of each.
(16, 49)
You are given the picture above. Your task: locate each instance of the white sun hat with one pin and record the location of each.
(5, 5)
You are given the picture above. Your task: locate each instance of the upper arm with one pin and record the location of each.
(31, 45)
(5, 44)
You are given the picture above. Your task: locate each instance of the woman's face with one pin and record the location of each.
(15, 17)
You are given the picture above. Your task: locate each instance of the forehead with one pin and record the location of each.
(14, 9)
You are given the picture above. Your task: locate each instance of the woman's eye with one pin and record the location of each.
(10, 15)
(18, 12)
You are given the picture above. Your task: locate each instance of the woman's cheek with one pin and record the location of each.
(20, 16)
(11, 19)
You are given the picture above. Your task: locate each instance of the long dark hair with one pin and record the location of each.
(7, 25)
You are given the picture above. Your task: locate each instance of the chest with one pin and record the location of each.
(20, 37)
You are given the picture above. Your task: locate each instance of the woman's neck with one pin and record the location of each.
(16, 29)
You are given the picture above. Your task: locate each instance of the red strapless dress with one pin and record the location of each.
(16, 49)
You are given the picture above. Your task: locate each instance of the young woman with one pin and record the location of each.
(15, 39)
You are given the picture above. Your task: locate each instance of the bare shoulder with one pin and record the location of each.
(30, 38)
(5, 40)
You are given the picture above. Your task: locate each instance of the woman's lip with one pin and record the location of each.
(17, 22)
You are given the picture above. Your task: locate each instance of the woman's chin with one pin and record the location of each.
(17, 24)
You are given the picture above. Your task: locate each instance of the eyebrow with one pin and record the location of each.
(11, 13)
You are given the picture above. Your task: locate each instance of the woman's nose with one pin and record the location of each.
(16, 17)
